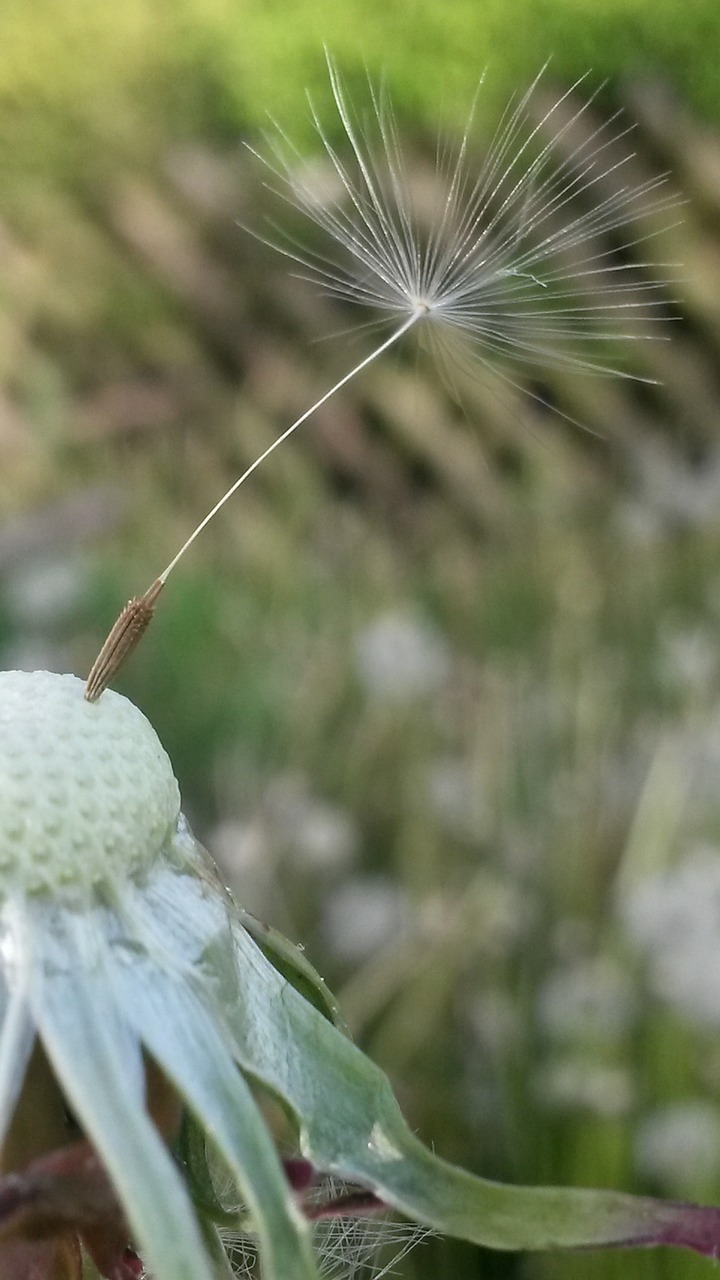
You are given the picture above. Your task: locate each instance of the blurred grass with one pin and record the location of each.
(561, 589)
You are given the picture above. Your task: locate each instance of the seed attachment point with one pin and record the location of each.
(123, 637)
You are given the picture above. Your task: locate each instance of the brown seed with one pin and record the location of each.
(122, 639)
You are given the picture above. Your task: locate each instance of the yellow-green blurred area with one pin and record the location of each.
(442, 685)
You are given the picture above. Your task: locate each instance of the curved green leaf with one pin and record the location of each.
(349, 1121)
(351, 1125)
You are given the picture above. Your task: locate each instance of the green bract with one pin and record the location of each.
(152, 964)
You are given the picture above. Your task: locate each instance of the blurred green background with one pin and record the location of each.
(442, 686)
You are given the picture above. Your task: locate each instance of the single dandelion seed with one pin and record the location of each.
(528, 262)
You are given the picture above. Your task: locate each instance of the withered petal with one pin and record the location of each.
(53, 1259)
(46, 1208)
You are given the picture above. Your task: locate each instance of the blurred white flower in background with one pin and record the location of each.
(695, 748)
(688, 658)
(458, 799)
(45, 592)
(317, 835)
(244, 852)
(291, 830)
(39, 597)
(674, 919)
(401, 656)
(576, 1083)
(677, 1147)
(358, 917)
(592, 999)
(495, 1023)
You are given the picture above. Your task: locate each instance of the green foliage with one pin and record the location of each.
(79, 73)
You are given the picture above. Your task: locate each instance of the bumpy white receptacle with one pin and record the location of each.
(87, 792)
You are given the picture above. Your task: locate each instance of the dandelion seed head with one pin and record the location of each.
(86, 792)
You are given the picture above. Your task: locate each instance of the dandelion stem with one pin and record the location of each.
(417, 314)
